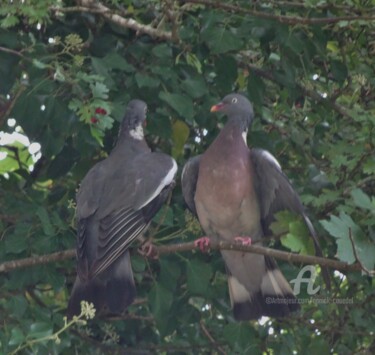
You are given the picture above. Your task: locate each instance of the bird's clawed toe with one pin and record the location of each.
(243, 240)
(203, 244)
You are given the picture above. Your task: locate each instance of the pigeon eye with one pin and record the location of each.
(234, 100)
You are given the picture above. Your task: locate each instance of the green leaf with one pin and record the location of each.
(369, 166)
(339, 71)
(48, 229)
(221, 40)
(180, 103)
(38, 64)
(39, 330)
(319, 346)
(362, 200)
(17, 306)
(7, 164)
(241, 337)
(192, 59)
(16, 336)
(100, 91)
(160, 300)
(115, 61)
(180, 134)
(55, 279)
(294, 232)
(146, 81)
(9, 21)
(103, 70)
(226, 70)
(282, 222)
(199, 275)
(195, 87)
(333, 46)
(63, 162)
(98, 134)
(138, 265)
(162, 51)
(340, 228)
(170, 272)
(17, 242)
(256, 88)
(164, 217)
(298, 240)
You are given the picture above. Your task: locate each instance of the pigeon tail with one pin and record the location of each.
(110, 295)
(270, 295)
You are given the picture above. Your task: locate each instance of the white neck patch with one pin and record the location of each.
(137, 133)
(244, 136)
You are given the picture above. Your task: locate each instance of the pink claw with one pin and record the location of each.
(203, 244)
(149, 250)
(243, 240)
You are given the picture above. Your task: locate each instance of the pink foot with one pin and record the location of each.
(149, 250)
(243, 240)
(203, 244)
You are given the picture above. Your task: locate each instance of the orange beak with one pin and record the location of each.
(217, 107)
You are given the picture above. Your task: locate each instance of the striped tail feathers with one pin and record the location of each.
(271, 296)
(111, 292)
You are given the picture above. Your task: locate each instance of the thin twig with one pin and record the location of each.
(130, 316)
(211, 339)
(364, 268)
(8, 218)
(289, 20)
(11, 51)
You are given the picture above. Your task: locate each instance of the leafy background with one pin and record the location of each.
(307, 66)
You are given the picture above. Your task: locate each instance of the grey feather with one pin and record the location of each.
(189, 178)
(276, 193)
(115, 203)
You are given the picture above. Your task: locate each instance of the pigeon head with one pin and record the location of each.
(135, 119)
(236, 106)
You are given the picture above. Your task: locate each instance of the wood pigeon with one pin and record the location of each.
(235, 192)
(115, 203)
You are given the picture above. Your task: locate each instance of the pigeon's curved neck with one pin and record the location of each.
(241, 120)
(137, 133)
(134, 135)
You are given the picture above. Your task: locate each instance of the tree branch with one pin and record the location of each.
(176, 248)
(94, 7)
(256, 249)
(288, 20)
(37, 260)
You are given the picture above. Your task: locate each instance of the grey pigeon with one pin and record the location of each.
(235, 192)
(115, 203)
